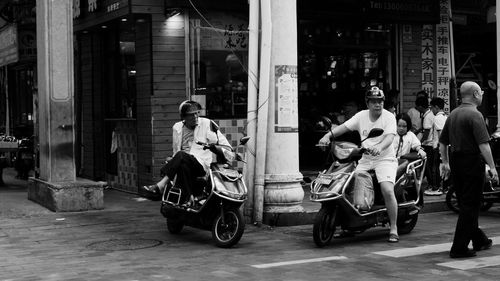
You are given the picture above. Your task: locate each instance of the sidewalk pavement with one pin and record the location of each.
(14, 203)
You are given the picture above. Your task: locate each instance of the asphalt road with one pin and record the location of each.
(129, 241)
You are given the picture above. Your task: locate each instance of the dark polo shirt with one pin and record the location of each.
(465, 130)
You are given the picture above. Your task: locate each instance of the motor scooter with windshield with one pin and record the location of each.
(334, 188)
(218, 208)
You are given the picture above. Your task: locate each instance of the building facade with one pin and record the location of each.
(135, 61)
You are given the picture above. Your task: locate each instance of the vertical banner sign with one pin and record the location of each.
(428, 59)
(286, 106)
(443, 59)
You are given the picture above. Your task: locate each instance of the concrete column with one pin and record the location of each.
(58, 188)
(283, 192)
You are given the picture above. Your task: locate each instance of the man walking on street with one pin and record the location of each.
(466, 134)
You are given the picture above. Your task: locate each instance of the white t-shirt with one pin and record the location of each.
(437, 126)
(361, 123)
(428, 120)
(404, 144)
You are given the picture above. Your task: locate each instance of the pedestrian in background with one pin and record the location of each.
(415, 113)
(466, 134)
(433, 159)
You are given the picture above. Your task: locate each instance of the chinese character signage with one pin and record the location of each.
(286, 106)
(443, 55)
(428, 59)
(225, 32)
(87, 13)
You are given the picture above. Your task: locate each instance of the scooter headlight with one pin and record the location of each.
(230, 156)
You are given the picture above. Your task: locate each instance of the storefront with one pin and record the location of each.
(345, 47)
(136, 62)
(17, 79)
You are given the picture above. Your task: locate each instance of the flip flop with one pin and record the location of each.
(393, 238)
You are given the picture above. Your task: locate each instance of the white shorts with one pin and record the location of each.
(385, 169)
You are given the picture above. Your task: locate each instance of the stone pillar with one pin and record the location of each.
(283, 192)
(58, 188)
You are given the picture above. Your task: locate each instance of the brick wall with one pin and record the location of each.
(412, 68)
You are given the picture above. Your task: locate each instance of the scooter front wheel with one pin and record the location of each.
(324, 225)
(406, 226)
(227, 230)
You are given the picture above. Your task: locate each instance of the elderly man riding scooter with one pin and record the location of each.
(190, 160)
(380, 155)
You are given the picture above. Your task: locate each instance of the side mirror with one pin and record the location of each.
(213, 126)
(244, 140)
(375, 132)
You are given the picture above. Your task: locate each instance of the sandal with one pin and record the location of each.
(153, 189)
(393, 238)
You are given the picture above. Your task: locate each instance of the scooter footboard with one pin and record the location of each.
(171, 212)
(350, 219)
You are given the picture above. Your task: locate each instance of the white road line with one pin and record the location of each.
(276, 264)
(422, 250)
(472, 263)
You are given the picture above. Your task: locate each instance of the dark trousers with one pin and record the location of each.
(187, 169)
(467, 175)
(432, 166)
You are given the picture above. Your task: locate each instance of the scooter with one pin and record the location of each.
(218, 210)
(491, 190)
(333, 188)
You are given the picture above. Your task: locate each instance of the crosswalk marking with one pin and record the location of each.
(415, 251)
(422, 250)
(276, 264)
(472, 263)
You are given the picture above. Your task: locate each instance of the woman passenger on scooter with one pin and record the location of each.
(406, 140)
(380, 155)
(190, 160)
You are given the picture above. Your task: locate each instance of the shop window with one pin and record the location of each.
(338, 63)
(218, 57)
(119, 70)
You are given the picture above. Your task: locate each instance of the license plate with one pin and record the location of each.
(324, 178)
(26, 156)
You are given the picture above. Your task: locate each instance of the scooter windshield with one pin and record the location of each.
(343, 149)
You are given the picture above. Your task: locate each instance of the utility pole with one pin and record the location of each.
(497, 132)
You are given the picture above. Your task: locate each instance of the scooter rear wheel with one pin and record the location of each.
(174, 227)
(324, 225)
(228, 231)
